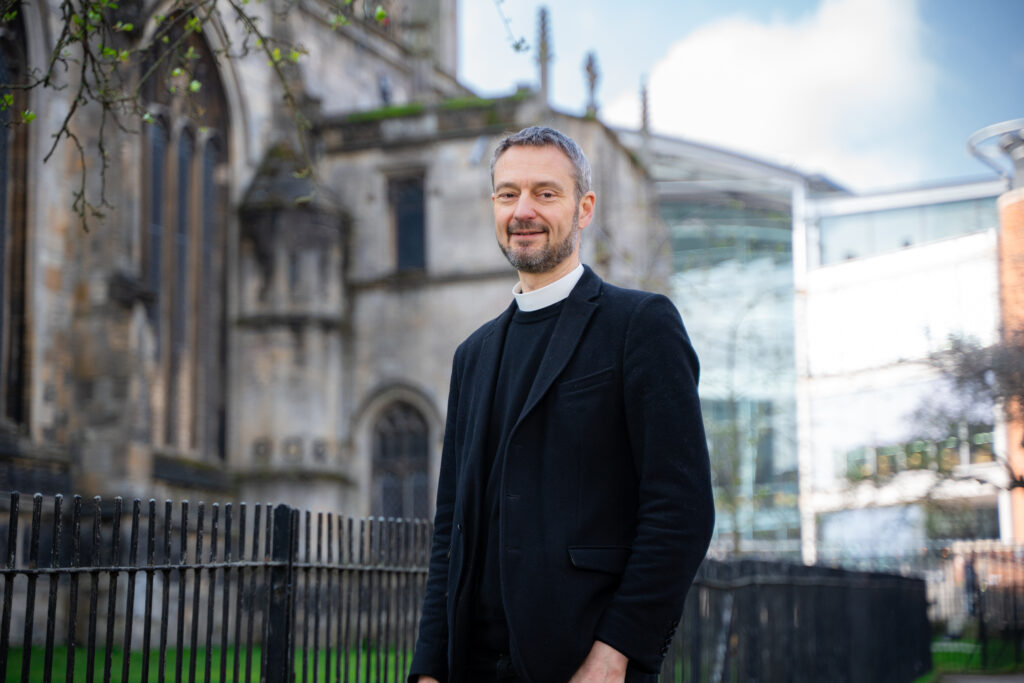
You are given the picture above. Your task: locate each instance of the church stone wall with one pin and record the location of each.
(95, 395)
(321, 338)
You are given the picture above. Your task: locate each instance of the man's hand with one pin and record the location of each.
(604, 664)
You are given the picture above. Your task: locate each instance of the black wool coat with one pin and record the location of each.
(605, 508)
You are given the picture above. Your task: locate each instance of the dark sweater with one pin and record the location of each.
(525, 343)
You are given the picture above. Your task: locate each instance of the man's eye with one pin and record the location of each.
(547, 195)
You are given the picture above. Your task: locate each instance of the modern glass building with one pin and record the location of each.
(814, 312)
(891, 456)
(733, 284)
(730, 221)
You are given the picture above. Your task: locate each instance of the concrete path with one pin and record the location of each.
(978, 678)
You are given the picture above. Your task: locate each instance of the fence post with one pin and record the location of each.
(278, 645)
(12, 548)
(982, 630)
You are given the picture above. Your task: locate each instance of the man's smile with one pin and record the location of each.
(526, 231)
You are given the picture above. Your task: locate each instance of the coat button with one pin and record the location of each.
(459, 527)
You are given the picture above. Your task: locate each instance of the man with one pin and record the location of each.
(574, 500)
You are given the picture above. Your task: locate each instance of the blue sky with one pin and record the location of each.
(875, 94)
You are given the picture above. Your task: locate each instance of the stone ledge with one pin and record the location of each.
(182, 471)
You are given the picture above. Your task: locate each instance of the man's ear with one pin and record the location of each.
(586, 208)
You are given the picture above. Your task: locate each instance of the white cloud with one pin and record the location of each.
(835, 92)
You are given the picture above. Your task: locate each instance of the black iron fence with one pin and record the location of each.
(790, 622)
(220, 592)
(96, 590)
(975, 588)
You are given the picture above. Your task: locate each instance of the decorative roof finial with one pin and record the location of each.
(644, 122)
(544, 55)
(593, 75)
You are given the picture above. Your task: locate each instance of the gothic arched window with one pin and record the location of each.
(184, 259)
(178, 429)
(14, 366)
(400, 463)
(209, 409)
(156, 166)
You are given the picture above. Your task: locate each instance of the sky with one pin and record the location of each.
(874, 94)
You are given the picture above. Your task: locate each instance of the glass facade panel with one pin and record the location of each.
(846, 237)
(956, 218)
(981, 439)
(948, 520)
(897, 228)
(874, 232)
(733, 284)
(865, 533)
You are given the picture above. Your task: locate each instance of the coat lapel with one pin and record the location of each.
(485, 374)
(579, 306)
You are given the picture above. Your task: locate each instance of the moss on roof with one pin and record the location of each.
(389, 112)
(474, 101)
(453, 103)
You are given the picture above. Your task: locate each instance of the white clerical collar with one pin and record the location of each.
(548, 294)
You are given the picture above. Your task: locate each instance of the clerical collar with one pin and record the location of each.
(549, 294)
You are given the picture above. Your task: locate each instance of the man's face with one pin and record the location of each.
(537, 218)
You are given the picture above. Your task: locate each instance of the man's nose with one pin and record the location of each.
(525, 210)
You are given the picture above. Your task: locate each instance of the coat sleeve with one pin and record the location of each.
(675, 513)
(431, 654)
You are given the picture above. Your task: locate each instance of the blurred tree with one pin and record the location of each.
(107, 51)
(991, 375)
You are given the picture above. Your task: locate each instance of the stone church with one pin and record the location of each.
(232, 328)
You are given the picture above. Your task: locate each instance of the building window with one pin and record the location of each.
(763, 438)
(14, 365)
(981, 438)
(184, 264)
(178, 430)
(156, 162)
(209, 409)
(409, 218)
(848, 236)
(400, 460)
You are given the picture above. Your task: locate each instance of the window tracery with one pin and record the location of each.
(14, 361)
(400, 463)
(184, 257)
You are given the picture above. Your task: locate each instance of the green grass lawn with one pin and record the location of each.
(964, 656)
(362, 666)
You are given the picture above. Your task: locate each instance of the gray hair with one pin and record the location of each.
(542, 136)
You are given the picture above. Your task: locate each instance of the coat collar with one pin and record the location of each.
(587, 289)
(579, 307)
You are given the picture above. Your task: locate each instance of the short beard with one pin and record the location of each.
(547, 258)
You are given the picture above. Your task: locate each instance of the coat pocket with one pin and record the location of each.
(575, 384)
(600, 558)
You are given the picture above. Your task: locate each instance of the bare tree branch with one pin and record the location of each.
(99, 49)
